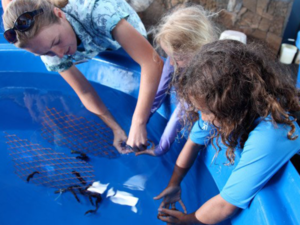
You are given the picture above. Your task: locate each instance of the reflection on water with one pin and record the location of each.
(37, 101)
(118, 197)
(136, 183)
(52, 109)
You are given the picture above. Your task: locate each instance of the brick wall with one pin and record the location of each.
(262, 20)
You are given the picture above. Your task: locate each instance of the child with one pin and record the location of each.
(180, 34)
(250, 101)
(81, 30)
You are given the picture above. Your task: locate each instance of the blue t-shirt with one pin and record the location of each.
(93, 22)
(266, 150)
(201, 132)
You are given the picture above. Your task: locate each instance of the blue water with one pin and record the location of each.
(23, 102)
(24, 98)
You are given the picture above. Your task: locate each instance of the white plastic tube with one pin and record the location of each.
(287, 53)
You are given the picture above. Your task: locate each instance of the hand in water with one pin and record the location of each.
(170, 195)
(151, 149)
(137, 139)
(173, 216)
(119, 138)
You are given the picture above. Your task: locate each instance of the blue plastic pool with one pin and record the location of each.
(28, 92)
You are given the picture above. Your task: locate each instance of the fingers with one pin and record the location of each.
(183, 206)
(169, 216)
(162, 205)
(170, 212)
(142, 153)
(128, 148)
(136, 148)
(149, 149)
(173, 206)
(120, 140)
(126, 151)
(146, 152)
(124, 148)
(167, 219)
(121, 148)
(142, 146)
(161, 195)
(138, 145)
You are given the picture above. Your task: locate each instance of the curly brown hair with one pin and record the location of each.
(239, 84)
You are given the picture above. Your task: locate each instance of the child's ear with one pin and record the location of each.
(59, 13)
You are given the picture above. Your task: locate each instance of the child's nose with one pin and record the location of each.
(59, 52)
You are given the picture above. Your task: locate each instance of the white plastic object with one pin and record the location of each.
(287, 53)
(233, 35)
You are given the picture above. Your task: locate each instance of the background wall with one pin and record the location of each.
(262, 20)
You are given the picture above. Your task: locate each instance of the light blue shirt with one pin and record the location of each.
(266, 150)
(201, 132)
(93, 22)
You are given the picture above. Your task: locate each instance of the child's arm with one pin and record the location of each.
(151, 67)
(213, 211)
(93, 103)
(168, 137)
(185, 160)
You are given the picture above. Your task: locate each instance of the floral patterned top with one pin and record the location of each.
(93, 22)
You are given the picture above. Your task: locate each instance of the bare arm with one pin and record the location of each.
(213, 211)
(172, 193)
(184, 162)
(151, 67)
(92, 102)
(188, 154)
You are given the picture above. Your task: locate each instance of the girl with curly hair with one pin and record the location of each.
(250, 101)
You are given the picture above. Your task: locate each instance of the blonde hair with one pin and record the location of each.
(185, 30)
(59, 3)
(18, 7)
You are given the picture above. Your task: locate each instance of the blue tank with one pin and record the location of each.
(42, 120)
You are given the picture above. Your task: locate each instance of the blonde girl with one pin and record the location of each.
(181, 33)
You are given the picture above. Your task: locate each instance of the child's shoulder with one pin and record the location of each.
(270, 135)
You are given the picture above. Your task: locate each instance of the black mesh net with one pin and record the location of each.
(78, 134)
(43, 166)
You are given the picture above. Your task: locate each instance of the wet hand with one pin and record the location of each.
(137, 139)
(119, 138)
(149, 151)
(171, 195)
(173, 216)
